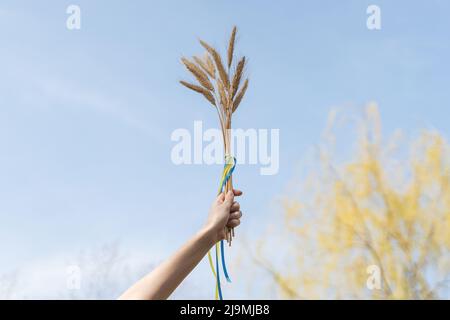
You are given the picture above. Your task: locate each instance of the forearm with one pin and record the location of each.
(162, 281)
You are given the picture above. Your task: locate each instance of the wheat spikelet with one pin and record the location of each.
(206, 46)
(240, 95)
(222, 94)
(203, 64)
(207, 94)
(237, 77)
(222, 73)
(218, 61)
(201, 76)
(231, 46)
(210, 65)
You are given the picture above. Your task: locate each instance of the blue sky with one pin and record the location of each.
(86, 115)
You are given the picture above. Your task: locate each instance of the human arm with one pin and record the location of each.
(163, 280)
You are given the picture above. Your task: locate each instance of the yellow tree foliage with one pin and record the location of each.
(376, 226)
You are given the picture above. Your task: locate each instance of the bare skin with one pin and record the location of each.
(162, 281)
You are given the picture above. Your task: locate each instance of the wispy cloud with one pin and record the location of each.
(37, 88)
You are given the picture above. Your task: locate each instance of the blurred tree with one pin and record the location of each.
(382, 209)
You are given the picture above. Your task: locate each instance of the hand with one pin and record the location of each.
(224, 212)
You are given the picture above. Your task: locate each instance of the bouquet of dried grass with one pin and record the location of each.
(223, 87)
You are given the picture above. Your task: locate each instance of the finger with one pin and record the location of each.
(235, 206)
(235, 215)
(237, 193)
(220, 198)
(233, 223)
(229, 197)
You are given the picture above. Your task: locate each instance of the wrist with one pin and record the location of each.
(210, 234)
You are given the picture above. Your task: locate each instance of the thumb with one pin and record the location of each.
(229, 198)
(220, 198)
